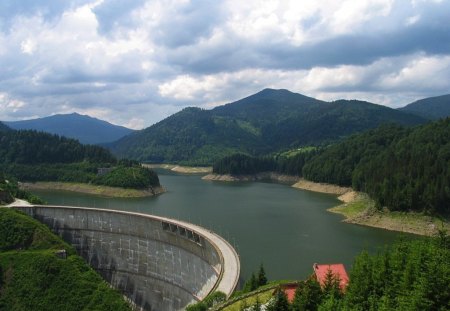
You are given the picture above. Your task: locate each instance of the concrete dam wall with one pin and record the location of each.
(158, 263)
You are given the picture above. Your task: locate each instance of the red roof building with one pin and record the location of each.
(338, 270)
(289, 289)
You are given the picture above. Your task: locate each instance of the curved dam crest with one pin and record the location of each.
(157, 263)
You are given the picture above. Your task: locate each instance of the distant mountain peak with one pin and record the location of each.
(86, 129)
(271, 91)
(266, 122)
(432, 107)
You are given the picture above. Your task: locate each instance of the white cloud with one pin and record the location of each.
(412, 20)
(9, 105)
(420, 74)
(28, 46)
(137, 63)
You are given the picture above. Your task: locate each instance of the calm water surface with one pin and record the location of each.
(284, 228)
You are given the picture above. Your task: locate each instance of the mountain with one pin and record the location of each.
(86, 129)
(269, 121)
(431, 108)
(401, 168)
(3, 127)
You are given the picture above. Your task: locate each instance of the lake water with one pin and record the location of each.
(284, 228)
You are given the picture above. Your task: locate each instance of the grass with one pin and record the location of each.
(263, 297)
(241, 299)
(362, 211)
(247, 126)
(294, 152)
(357, 207)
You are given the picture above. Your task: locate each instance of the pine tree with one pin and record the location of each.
(307, 296)
(251, 284)
(262, 279)
(331, 285)
(280, 302)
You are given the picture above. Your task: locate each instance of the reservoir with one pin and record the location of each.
(285, 229)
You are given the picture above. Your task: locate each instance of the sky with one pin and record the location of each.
(135, 62)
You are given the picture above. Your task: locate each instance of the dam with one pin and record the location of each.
(157, 263)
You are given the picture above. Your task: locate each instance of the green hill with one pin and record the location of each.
(403, 169)
(3, 127)
(266, 122)
(432, 108)
(33, 277)
(84, 128)
(37, 156)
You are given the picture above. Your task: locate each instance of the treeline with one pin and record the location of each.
(400, 168)
(36, 156)
(3, 127)
(241, 164)
(410, 275)
(32, 147)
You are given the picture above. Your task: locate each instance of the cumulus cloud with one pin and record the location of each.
(134, 63)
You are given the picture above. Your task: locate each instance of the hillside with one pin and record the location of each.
(28, 155)
(432, 108)
(266, 122)
(3, 127)
(86, 129)
(403, 169)
(33, 277)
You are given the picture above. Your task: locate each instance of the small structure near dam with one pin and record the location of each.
(157, 263)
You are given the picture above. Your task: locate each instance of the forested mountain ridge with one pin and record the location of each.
(431, 108)
(404, 169)
(28, 155)
(86, 129)
(3, 127)
(266, 122)
(32, 147)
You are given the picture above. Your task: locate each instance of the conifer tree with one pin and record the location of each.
(307, 296)
(262, 279)
(280, 302)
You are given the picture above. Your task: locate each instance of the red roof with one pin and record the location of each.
(337, 270)
(289, 290)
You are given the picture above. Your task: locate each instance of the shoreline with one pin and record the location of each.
(321, 187)
(181, 169)
(271, 176)
(357, 208)
(106, 191)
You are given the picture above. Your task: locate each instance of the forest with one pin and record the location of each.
(267, 122)
(32, 156)
(400, 168)
(409, 275)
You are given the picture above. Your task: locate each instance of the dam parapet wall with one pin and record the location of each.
(157, 263)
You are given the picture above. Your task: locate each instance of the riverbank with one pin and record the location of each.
(359, 208)
(182, 169)
(269, 176)
(321, 187)
(93, 189)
